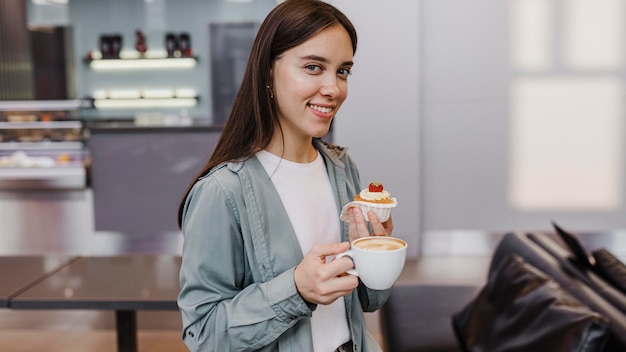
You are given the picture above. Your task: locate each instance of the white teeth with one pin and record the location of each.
(321, 109)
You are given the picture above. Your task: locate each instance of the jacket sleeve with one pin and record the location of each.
(372, 300)
(222, 307)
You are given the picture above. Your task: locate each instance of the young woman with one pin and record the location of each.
(261, 222)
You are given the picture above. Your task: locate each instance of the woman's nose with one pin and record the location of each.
(330, 88)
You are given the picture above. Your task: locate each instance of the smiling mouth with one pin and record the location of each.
(321, 109)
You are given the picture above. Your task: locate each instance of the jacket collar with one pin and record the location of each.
(330, 151)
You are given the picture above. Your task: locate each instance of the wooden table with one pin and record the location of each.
(18, 273)
(124, 284)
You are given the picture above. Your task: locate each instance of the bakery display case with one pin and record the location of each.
(42, 149)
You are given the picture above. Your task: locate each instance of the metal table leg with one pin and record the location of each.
(126, 326)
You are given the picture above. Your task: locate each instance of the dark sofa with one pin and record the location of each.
(543, 295)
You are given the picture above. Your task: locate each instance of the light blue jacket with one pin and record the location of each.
(237, 286)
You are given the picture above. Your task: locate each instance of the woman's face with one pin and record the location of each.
(311, 82)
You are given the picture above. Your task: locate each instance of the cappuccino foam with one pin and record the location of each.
(379, 244)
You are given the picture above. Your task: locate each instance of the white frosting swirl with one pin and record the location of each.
(367, 195)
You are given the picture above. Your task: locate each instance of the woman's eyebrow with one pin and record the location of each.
(314, 58)
(323, 59)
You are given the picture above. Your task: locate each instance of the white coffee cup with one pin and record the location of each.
(378, 260)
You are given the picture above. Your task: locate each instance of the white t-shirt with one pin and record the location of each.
(309, 201)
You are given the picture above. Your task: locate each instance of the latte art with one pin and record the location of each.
(379, 244)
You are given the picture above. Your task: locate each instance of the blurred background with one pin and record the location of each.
(481, 117)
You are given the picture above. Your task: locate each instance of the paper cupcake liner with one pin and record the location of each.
(383, 211)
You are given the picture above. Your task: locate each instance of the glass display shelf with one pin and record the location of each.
(42, 135)
(46, 125)
(49, 169)
(156, 63)
(44, 105)
(42, 149)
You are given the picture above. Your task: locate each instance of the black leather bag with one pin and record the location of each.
(610, 268)
(523, 309)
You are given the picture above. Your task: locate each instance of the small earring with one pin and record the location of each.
(271, 93)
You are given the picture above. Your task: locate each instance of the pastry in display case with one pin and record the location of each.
(42, 150)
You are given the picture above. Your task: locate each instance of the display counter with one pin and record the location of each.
(120, 126)
(44, 176)
(43, 156)
(67, 179)
(139, 173)
(42, 147)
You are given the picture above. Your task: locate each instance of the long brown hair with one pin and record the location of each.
(253, 117)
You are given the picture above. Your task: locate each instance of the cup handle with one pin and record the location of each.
(348, 254)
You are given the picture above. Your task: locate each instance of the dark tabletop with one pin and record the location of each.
(20, 272)
(127, 282)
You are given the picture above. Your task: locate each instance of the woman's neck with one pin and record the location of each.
(298, 151)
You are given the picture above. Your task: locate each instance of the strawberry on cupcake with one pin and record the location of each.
(375, 198)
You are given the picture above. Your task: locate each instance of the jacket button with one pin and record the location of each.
(190, 333)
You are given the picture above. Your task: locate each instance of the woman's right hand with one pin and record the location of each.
(322, 282)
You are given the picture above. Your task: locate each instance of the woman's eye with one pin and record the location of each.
(344, 72)
(314, 68)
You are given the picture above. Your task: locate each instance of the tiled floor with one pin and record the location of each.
(87, 341)
(93, 331)
(88, 331)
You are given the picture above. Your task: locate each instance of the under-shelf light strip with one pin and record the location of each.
(144, 93)
(145, 64)
(145, 103)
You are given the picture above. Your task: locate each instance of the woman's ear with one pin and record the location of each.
(270, 84)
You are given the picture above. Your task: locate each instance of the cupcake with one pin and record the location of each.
(375, 198)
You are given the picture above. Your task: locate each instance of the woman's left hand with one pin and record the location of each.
(358, 226)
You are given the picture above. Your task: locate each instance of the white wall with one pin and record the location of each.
(522, 115)
(379, 122)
